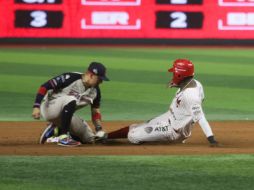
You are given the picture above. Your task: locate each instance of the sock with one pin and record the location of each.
(66, 116)
(118, 134)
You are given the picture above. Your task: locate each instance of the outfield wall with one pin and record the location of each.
(112, 41)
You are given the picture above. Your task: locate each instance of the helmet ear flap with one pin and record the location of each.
(177, 78)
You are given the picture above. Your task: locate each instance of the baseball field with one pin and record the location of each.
(137, 92)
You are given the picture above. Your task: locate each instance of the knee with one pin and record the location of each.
(133, 137)
(82, 130)
(88, 136)
(71, 106)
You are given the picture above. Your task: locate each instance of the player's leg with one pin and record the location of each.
(123, 132)
(66, 116)
(60, 111)
(152, 132)
(185, 132)
(80, 130)
(50, 132)
(142, 133)
(50, 113)
(119, 134)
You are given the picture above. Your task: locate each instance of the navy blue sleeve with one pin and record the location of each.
(56, 83)
(64, 80)
(97, 100)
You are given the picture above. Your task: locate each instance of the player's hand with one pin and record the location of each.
(36, 114)
(213, 142)
(101, 136)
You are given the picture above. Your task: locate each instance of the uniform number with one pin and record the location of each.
(39, 19)
(179, 20)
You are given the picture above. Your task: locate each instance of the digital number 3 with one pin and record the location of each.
(39, 19)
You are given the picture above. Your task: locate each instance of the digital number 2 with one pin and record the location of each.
(179, 20)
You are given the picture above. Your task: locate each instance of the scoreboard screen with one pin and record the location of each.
(141, 19)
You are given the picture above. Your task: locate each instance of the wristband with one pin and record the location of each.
(98, 127)
(36, 105)
(96, 116)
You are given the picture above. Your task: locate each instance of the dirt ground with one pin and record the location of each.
(21, 138)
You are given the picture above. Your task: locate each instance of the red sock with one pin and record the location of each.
(118, 134)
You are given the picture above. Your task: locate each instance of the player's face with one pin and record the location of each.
(95, 80)
(90, 80)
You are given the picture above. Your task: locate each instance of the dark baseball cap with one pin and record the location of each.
(99, 70)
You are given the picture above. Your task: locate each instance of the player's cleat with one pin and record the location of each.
(66, 140)
(52, 139)
(47, 133)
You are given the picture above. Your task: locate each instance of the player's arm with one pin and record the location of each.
(97, 118)
(198, 116)
(207, 130)
(42, 91)
(55, 83)
(95, 110)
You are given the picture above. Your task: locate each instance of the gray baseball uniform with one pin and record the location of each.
(64, 89)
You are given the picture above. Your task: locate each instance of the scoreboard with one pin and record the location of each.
(145, 19)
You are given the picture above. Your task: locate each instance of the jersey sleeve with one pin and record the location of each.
(56, 83)
(64, 80)
(97, 101)
(197, 112)
(199, 116)
(205, 126)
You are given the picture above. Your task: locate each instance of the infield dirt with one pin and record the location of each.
(21, 138)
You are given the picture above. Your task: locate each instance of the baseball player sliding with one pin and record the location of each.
(176, 124)
(58, 99)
